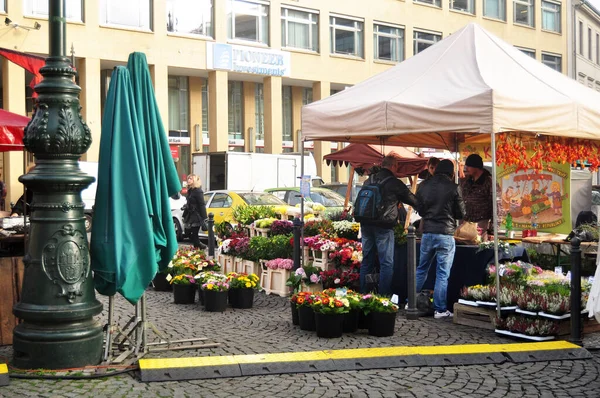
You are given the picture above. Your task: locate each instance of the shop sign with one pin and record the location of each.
(179, 140)
(235, 142)
(245, 59)
(174, 151)
(287, 144)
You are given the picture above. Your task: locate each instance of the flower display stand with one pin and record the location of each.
(227, 264)
(480, 317)
(238, 265)
(306, 254)
(320, 259)
(312, 288)
(261, 232)
(274, 282)
(251, 267)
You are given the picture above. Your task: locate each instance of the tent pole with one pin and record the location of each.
(302, 203)
(349, 189)
(410, 209)
(495, 221)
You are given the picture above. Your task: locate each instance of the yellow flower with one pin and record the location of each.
(248, 284)
(210, 286)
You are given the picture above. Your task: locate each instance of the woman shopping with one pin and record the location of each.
(195, 214)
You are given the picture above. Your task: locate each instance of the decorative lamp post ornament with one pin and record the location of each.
(57, 303)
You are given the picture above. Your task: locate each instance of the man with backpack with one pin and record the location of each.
(376, 208)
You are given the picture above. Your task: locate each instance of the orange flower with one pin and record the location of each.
(338, 303)
(325, 301)
(300, 300)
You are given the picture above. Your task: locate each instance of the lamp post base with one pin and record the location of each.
(45, 346)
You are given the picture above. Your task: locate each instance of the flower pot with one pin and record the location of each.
(161, 284)
(184, 294)
(241, 298)
(382, 324)
(200, 295)
(306, 318)
(351, 321)
(363, 320)
(295, 319)
(329, 325)
(215, 301)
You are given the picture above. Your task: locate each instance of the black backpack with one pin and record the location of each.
(369, 201)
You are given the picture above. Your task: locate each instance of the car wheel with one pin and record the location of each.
(88, 223)
(178, 229)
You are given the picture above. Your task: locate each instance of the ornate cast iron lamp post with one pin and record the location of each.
(58, 303)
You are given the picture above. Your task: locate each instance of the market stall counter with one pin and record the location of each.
(469, 268)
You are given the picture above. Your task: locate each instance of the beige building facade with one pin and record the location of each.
(583, 45)
(234, 74)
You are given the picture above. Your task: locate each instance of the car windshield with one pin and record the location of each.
(327, 198)
(261, 198)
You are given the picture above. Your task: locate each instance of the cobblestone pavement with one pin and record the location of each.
(268, 328)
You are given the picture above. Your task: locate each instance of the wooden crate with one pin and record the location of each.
(478, 317)
(11, 282)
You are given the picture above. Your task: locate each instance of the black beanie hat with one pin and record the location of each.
(474, 160)
(445, 167)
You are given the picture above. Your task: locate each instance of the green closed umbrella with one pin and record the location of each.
(132, 233)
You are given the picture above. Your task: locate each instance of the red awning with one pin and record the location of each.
(12, 128)
(365, 156)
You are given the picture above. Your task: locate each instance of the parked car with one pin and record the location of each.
(332, 201)
(177, 202)
(221, 203)
(341, 188)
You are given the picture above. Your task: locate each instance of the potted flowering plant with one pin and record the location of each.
(205, 277)
(282, 227)
(215, 296)
(241, 289)
(354, 299)
(530, 302)
(346, 229)
(329, 315)
(383, 316)
(306, 315)
(184, 289)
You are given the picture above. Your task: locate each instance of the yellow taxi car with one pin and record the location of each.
(222, 203)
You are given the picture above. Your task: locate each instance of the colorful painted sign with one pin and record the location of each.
(540, 197)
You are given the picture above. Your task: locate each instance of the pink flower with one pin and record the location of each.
(314, 278)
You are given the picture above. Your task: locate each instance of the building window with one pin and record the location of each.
(388, 43)
(423, 40)
(205, 112)
(346, 36)
(287, 136)
(190, 16)
(300, 29)
(495, 9)
(598, 48)
(307, 95)
(590, 44)
(39, 8)
(524, 12)
(248, 20)
(3, 5)
(178, 103)
(259, 116)
(437, 3)
(463, 5)
(131, 14)
(234, 96)
(580, 37)
(527, 51)
(551, 16)
(553, 61)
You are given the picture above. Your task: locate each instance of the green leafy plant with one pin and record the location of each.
(399, 234)
(376, 303)
(246, 214)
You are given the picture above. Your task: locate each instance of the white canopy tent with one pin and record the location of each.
(470, 82)
(464, 88)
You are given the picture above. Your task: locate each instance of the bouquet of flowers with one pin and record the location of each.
(282, 227)
(319, 243)
(346, 229)
(375, 303)
(503, 247)
(346, 257)
(188, 260)
(280, 263)
(514, 272)
(264, 222)
(207, 276)
(242, 281)
(216, 286)
(325, 304)
(339, 278)
(182, 279)
(304, 299)
(317, 226)
(307, 274)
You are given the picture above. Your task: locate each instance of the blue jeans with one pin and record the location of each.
(381, 239)
(442, 247)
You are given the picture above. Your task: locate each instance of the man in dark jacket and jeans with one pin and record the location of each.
(379, 234)
(441, 205)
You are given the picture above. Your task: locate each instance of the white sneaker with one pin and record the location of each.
(406, 306)
(442, 315)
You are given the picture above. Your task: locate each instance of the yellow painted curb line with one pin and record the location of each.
(164, 363)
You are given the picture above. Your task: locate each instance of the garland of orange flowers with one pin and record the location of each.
(511, 151)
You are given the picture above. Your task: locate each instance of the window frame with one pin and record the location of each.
(432, 3)
(206, 32)
(530, 4)
(235, 114)
(287, 131)
(313, 42)
(528, 51)
(557, 15)
(29, 10)
(556, 57)
(416, 40)
(503, 9)
(3, 6)
(104, 15)
(358, 29)
(400, 38)
(597, 48)
(470, 3)
(580, 41)
(262, 27)
(589, 43)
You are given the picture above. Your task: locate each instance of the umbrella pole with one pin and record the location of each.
(495, 221)
(410, 209)
(349, 189)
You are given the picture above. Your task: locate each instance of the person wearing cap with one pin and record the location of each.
(441, 205)
(477, 192)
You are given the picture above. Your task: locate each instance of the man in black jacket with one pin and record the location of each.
(379, 235)
(441, 205)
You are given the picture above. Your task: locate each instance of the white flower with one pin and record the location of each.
(170, 264)
(336, 281)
